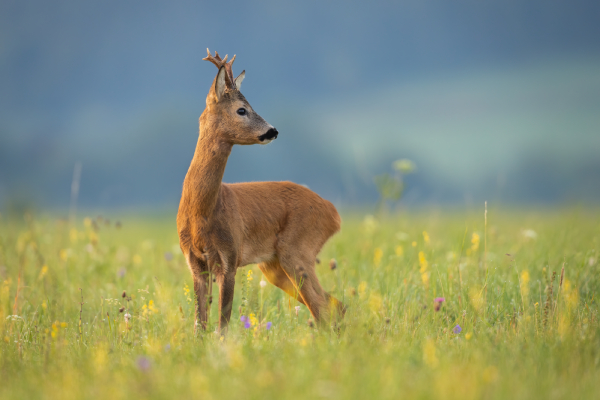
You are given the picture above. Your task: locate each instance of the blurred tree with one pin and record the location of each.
(391, 186)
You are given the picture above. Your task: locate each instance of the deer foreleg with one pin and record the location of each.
(226, 286)
(201, 288)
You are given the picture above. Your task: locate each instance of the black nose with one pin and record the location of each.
(271, 134)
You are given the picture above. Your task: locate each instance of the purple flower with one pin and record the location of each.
(247, 324)
(269, 324)
(457, 329)
(143, 363)
(243, 318)
(437, 303)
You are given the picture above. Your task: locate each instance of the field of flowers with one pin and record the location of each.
(441, 304)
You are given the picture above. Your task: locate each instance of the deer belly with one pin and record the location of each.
(257, 254)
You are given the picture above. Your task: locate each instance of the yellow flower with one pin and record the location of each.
(423, 270)
(43, 272)
(253, 319)
(525, 283)
(64, 254)
(87, 222)
(422, 262)
(474, 242)
(414, 244)
(426, 237)
(468, 336)
(399, 251)
(377, 257)
(249, 276)
(362, 288)
(137, 259)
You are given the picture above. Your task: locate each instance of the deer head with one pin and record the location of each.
(230, 115)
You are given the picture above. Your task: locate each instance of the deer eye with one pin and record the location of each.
(241, 111)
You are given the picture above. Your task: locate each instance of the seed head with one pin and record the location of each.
(121, 309)
(332, 264)
(124, 294)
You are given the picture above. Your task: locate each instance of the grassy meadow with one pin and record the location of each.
(441, 304)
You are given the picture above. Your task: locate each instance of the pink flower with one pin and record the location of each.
(437, 303)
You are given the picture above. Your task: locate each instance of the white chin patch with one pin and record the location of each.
(266, 141)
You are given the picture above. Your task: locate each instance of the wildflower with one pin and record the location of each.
(423, 270)
(249, 275)
(263, 283)
(457, 329)
(137, 259)
(525, 283)
(414, 244)
(252, 319)
(474, 242)
(437, 303)
(297, 308)
(243, 318)
(121, 309)
(124, 294)
(425, 237)
(332, 264)
(269, 324)
(399, 251)
(377, 256)
(247, 325)
(468, 336)
(143, 363)
(43, 272)
(362, 289)
(127, 317)
(423, 262)
(404, 165)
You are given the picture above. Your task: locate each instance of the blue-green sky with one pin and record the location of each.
(496, 100)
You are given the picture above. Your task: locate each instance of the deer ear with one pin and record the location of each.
(221, 83)
(239, 79)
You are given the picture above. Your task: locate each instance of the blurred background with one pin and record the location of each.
(496, 100)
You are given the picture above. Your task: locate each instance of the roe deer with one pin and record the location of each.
(279, 225)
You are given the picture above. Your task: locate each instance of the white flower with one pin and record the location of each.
(263, 284)
(127, 317)
(297, 308)
(529, 234)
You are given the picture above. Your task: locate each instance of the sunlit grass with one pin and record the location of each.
(439, 306)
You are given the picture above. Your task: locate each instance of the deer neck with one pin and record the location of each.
(206, 172)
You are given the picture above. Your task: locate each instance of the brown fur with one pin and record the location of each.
(281, 226)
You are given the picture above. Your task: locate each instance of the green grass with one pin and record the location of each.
(523, 334)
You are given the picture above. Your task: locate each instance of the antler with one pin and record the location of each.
(216, 59)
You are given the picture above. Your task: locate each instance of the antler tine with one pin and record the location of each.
(216, 59)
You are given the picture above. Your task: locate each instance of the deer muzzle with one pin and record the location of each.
(269, 135)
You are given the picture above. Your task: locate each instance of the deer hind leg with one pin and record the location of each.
(201, 284)
(323, 307)
(226, 286)
(275, 274)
